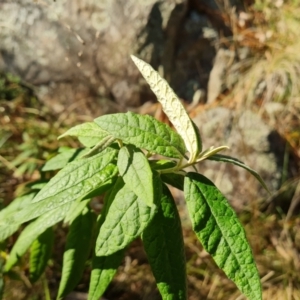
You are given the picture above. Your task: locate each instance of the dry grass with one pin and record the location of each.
(268, 77)
(270, 71)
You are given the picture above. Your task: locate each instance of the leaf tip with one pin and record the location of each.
(134, 58)
(62, 135)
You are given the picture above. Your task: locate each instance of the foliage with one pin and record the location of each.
(129, 158)
(10, 87)
(28, 133)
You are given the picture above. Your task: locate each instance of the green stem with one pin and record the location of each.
(178, 168)
(46, 288)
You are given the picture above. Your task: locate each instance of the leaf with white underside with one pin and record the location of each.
(89, 134)
(136, 172)
(210, 152)
(232, 160)
(144, 132)
(221, 234)
(172, 107)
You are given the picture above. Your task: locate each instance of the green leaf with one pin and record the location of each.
(15, 206)
(198, 138)
(77, 207)
(172, 107)
(62, 159)
(136, 172)
(221, 234)
(32, 231)
(78, 246)
(144, 132)
(232, 160)
(101, 189)
(162, 164)
(125, 220)
(75, 173)
(104, 269)
(37, 185)
(88, 133)
(64, 149)
(164, 245)
(176, 180)
(109, 198)
(40, 253)
(76, 180)
(104, 143)
(8, 230)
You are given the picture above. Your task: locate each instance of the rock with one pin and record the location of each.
(250, 140)
(77, 55)
(194, 56)
(217, 76)
(227, 68)
(252, 131)
(82, 51)
(215, 124)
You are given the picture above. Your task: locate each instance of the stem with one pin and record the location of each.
(178, 167)
(149, 154)
(46, 288)
(120, 143)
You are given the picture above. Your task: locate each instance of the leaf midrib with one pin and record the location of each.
(156, 134)
(225, 237)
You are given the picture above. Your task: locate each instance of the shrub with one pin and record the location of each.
(130, 158)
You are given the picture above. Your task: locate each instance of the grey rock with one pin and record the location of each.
(252, 131)
(81, 50)
(217, 76)
(250, 140)
(215, 125)
(76, 53)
